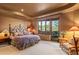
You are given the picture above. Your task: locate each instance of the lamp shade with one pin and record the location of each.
(74, 28)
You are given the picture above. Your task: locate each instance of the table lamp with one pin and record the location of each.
(74, 29)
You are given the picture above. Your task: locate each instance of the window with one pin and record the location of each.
(43, 25)
(39, 25)
(55, 25)
(55, 28)
(47, 25)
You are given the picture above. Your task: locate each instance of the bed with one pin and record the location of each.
(20, 38)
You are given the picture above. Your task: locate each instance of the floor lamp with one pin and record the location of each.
(74, 29)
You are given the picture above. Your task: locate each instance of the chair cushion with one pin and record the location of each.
(71, 41)
(67, 45)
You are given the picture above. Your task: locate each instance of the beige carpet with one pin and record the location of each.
(42, 48)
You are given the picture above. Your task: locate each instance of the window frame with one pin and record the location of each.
(50, 30)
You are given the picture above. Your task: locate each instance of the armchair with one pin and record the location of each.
(67, 43)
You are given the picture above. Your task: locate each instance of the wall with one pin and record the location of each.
(5, 21)
(68, 20)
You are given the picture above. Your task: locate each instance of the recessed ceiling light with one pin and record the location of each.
(22, 10)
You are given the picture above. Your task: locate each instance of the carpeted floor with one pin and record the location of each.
(42, 48)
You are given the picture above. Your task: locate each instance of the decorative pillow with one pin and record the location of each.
(26, 33)
(30, 33)
(71, 41)
(18, 34)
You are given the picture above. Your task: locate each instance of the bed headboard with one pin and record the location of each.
(16, 28)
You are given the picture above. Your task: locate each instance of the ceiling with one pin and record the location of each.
(31, 10)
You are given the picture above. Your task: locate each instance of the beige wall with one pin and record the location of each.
(5, 21)
(68, 20)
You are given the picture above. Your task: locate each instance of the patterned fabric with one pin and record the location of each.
(20, 29)
(21, 42)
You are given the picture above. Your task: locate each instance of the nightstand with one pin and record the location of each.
(3, 37)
